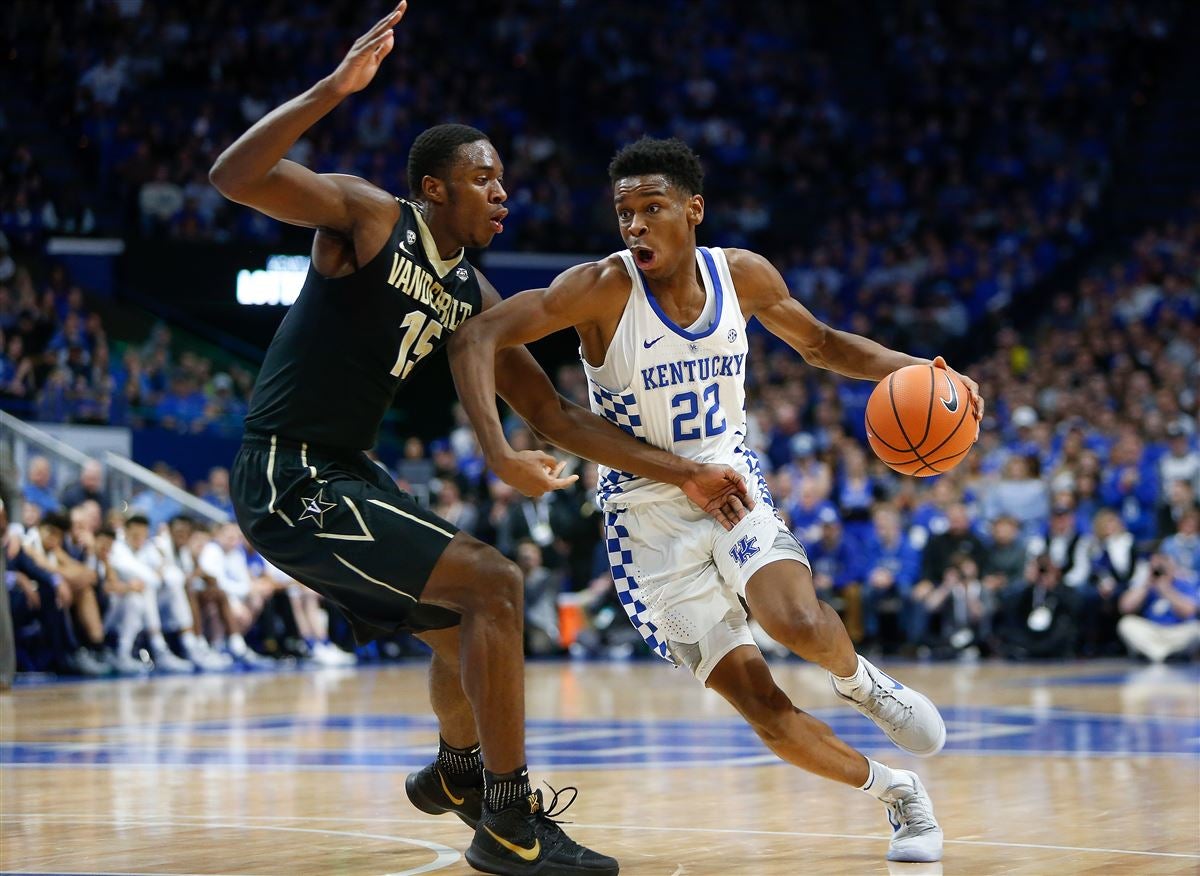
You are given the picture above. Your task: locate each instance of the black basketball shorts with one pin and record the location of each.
(336, 522)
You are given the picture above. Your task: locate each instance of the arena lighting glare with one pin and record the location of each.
(278, 283)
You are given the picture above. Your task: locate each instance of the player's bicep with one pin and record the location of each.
(294, 194)
(767, 297)
(527, 316)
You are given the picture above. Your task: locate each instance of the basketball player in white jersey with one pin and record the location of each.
(663, 331)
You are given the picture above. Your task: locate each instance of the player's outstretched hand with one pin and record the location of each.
(972, 387)
(721, 492)
(362, 61)
(533, 473)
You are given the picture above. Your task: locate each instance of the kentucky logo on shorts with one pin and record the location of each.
(744, 549)
(315, 508)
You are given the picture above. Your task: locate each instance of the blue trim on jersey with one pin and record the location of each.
(717, 290)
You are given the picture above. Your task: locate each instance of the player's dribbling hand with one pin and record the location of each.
(533, 473)
(721, 492)
(362, 61)
(977, 403)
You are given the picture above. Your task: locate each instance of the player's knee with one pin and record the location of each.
(499, 586)
(798, 628)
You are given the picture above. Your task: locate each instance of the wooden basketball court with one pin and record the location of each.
(1084, 768)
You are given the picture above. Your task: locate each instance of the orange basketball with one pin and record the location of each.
(919, 421)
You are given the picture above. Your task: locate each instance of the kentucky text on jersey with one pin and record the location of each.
(692, 370)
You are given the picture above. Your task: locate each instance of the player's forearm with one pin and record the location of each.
(583, 433)
(472, 358)
(252, 156)
(855, 356)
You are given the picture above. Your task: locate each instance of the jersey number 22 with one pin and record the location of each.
(688, 405)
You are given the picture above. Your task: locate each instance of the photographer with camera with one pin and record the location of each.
(1160, 611)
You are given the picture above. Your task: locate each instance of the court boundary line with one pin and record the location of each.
(617, 827)
(445, 855)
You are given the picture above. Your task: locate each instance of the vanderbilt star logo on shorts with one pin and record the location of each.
(315, 508)
(744, 549)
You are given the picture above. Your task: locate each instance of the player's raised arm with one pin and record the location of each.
(253, 171)
(763, 293)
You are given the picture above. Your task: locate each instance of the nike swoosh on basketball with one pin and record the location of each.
(457, 801)
(951, 404)
(530, 854)
(649, 344)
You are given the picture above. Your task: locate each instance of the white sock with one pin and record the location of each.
(856, 686)
(237, 645)
(191, 645)
(158, 644)
(879, 779)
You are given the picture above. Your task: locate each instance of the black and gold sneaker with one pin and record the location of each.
(431, 791)
(525, 839)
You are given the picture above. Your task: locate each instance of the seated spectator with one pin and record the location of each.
(953, 616)
(1159, 612)
(542, 588)
(1004, 562)
(222, 562)
(890, 566)
(1040, 617)
(836, 572)
(313, 622)
(806, 513)
(1180, 499)
(854, 493)
(1019, 494)
(958, 540)
(90, 486)
(217, 493)
(37, 489)
(1065, 543)
(174, 546)
(415, 472)
(40, 601)
(1130, 485)
(1113, 564)
(136, 567)
(1184, 546)
(1180, 462)
(47, 546)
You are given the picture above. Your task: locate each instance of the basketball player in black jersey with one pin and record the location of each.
(388, 286)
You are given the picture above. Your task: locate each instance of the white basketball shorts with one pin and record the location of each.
(681, 577)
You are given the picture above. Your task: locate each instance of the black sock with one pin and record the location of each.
(462, 766)
(501, 791)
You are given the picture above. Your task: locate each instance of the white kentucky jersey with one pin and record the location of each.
(680, 389)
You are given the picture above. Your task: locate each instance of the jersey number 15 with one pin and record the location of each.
(419, 330)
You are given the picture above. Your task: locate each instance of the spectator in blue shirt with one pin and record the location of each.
(1160, 612)
(1131, 486)
(37, 486)
(833, 559)
(1184, 546)
(890, 567)
(806, 512)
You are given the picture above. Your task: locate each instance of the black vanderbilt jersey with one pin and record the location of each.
(347, 344)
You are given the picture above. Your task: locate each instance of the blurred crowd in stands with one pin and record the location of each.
(58, 365)
(924, 157)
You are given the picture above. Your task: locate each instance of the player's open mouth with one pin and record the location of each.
(497, 221)
(645, 258)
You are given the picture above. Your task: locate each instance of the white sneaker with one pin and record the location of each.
(127, 664)
(329, 654)
(166, 661)
(916, 836)
(908, 718)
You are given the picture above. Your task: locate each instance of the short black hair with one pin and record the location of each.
(181, 518)
(433, 151)
(56, 520)
(107, 532)
(137, 519)
(671, 158)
